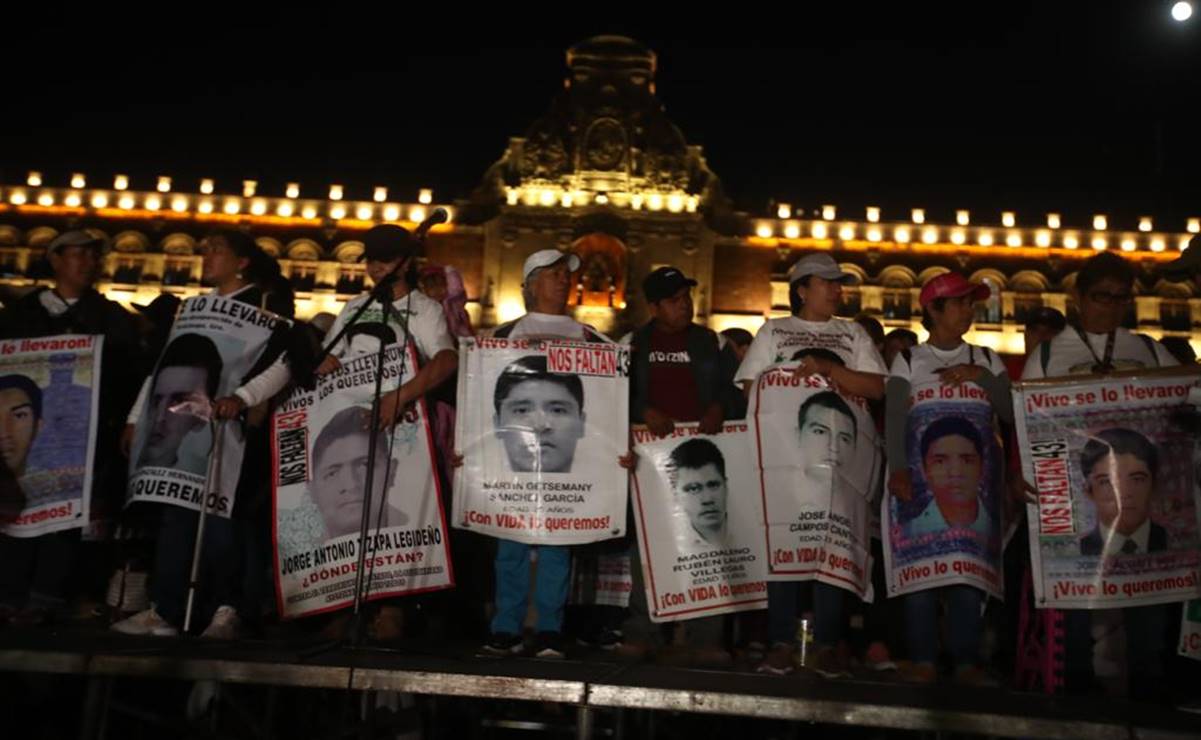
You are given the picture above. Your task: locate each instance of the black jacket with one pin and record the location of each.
(1157, 541)
(714, 375)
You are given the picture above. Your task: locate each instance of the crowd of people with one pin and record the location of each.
(680, 372)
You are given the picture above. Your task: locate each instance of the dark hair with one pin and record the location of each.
(872, 326)
(939, 304)
(820, 353)
(740, 337)
(795, 304)
(533, 367)
(194, 350)
(1119, 441)
(904, 334)
(829, 400)
(1105, 265)
(1052, 318)
(695, 453)
(952, 426)
(261, 270)
(350, 421)
(26, 385)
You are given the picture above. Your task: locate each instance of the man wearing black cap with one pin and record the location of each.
(676, 375)
(33, 577)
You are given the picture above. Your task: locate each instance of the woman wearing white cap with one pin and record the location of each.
(815, 287)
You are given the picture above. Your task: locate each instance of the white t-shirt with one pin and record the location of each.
(426, 319)
(1070, 356)
(550, 326)
(779, 339)
(427, 328)
(926, 360)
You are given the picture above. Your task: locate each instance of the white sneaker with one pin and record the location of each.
(226, 625)
(146, 623)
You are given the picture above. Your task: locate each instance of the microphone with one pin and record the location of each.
(439, 216)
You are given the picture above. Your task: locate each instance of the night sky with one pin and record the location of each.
(1078, 107)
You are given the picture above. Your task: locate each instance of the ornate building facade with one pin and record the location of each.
(605, 174)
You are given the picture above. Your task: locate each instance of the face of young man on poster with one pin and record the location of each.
(827, 438)
(19, 426)
(1120, 487)
(340, 480)
(953, 468)
(540, 423)
(702, 493)
(174, 385)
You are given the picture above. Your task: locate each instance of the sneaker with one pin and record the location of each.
(828, 662)
(780, 660)
(503, 643)
(550, 646)
(918, 673)
(970, 675)
(145, 623)
(877, 658)
(388, 624)
(226, 625)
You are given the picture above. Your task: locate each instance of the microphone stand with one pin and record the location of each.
(383, 293)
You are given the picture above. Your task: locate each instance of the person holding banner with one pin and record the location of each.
(1097, 343)
(951, 460)
(34, 578)
(679, 374)
(182, 397)
(546, 283)
(815, 289)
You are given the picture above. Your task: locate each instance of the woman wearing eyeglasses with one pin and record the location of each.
(1096, 342)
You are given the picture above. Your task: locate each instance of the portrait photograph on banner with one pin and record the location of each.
(950, 530)
(49, 399)
(541, 425)
(698, 522)
(320, 443)
(1114, 462)
(818, 460)
(213, 344)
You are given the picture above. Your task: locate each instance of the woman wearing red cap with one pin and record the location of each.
(957, 466)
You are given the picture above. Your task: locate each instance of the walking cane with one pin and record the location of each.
(211, 484)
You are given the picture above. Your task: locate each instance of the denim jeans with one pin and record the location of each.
(513, 585)
(965, 624)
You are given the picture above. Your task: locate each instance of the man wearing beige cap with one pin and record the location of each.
(546, 284)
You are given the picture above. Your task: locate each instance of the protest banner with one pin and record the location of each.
(541, 425)
(699, 525)
(320, 442)
(49, 401)
(1113, 460)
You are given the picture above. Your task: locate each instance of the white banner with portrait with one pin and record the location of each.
(699, 527)
(818, 460)
(320, 442)
(1114, 460)
(949, 531)
(213, 344)
(49, 398)
(541, 425)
